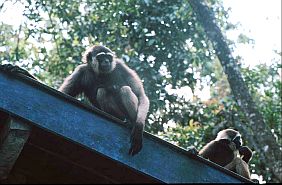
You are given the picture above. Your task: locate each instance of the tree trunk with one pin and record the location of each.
(263, 140)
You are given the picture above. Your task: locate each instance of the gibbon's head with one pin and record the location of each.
(100, 58)
(231, 135)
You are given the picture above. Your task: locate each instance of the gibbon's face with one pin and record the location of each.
(104, 62)
(231, 135)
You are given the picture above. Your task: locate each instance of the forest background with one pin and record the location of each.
(190, 96)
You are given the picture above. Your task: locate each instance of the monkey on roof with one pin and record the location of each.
(227, 151)
(112, 86)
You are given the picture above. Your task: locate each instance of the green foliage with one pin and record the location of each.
(197, 131)
(265, 85)
(244, 39)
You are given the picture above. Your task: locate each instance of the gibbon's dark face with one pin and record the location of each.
(238, 141)
(105, 62)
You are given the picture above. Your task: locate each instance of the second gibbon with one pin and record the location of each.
(227, 151)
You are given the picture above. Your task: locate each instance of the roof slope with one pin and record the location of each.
(90, 138)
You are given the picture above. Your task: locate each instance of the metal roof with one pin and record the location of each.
(88, 144)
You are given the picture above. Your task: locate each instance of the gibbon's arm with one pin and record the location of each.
(72, 85)
(143, 100)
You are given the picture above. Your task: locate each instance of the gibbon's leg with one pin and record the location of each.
(232, 165)
(101, 98)
(242, 168)
(239, 166)
(109, 103)
(129, 101)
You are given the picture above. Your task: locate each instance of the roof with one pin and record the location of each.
(73, 142)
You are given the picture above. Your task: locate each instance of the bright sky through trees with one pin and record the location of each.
(260, 20)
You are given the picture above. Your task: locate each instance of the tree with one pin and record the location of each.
(162, 40)
(270, 149)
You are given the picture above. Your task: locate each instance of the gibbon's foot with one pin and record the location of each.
(192, 150)
(16, 69)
